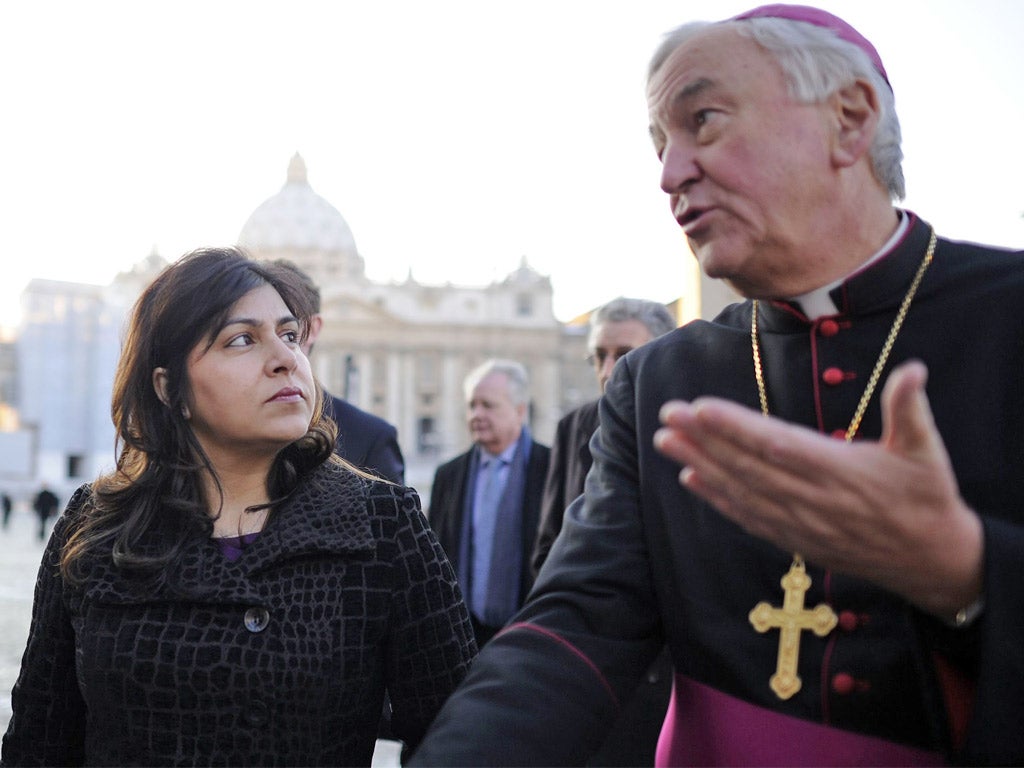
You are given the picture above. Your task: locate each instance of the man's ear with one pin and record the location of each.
(856, 111)
(316, 324)
(160, 385)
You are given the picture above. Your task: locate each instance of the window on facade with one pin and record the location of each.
(351, 380)
(427, 441)
(76, 465)
(524, 305)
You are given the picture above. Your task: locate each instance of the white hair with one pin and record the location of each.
(515, 373)
(816, 63)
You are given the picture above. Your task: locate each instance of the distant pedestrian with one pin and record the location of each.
(45, 505)
(5, 501)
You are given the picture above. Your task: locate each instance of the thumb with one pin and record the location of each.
(908, 427)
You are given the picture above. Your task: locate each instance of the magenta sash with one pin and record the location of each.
(705, 727)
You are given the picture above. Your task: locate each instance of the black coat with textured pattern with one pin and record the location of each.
(281, 657)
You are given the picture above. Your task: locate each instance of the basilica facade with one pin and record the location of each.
(397, 349)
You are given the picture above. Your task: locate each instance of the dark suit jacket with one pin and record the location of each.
(366, 441)
(570, 462)
(446, 506)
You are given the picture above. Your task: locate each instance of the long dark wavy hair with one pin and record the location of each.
(156, 484)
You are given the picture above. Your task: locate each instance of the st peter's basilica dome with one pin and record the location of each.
(300, 225)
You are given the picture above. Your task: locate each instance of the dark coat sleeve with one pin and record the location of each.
(553, 501)
(545, 690)
(536, 473)
(445, 510)
(385, 457)
(367, 441)
(570, 462)
(47, 726)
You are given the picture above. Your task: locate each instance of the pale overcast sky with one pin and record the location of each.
(455, 137)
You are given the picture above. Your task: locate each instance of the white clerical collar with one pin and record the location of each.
(818, 303)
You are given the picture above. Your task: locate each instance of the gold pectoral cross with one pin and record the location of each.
(791, 619)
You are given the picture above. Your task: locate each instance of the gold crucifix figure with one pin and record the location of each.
(791, 619)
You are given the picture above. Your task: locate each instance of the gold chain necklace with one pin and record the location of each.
(792, 617)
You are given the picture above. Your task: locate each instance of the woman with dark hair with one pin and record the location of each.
(232, 593)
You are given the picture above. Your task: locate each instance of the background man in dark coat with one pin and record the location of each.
(616, 328)
(485, 503)
(364, 440)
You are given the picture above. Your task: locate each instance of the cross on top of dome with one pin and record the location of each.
(297, 170)
(300, 225)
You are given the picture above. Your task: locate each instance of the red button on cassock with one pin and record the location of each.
(833, 376)
(828, 328)
(848, 621)
(843, 683)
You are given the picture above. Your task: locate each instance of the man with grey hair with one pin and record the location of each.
(621, 325)
(485, 503)
(817, 499)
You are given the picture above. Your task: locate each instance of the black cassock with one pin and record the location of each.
(642, 560)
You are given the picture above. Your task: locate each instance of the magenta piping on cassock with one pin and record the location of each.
(568, 646)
